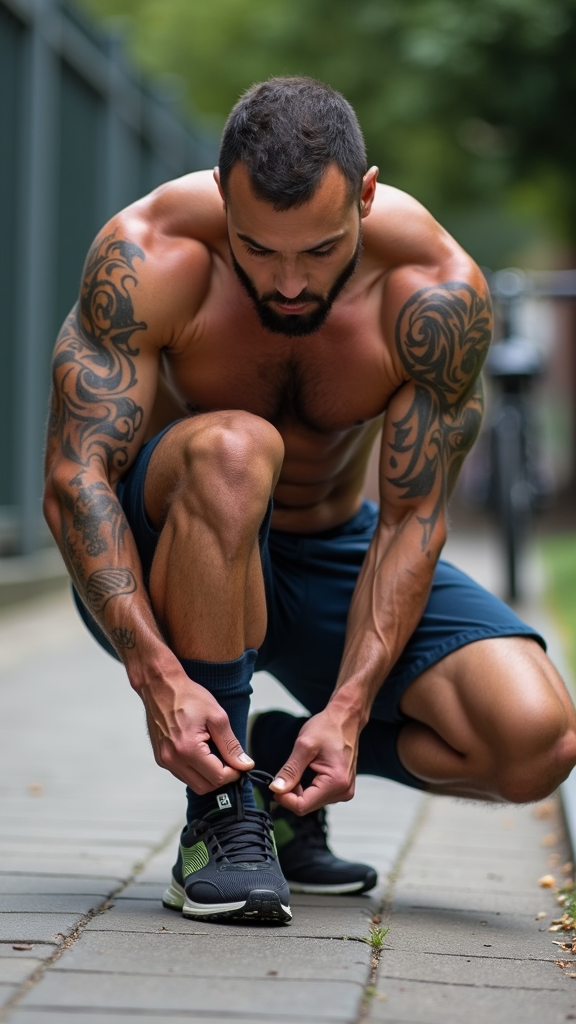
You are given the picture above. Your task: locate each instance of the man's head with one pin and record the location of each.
(292, 174)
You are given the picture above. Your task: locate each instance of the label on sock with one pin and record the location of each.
(223, 801)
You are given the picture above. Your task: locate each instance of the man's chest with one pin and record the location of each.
(329, 381)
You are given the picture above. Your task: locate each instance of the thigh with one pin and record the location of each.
(497, 694)
(459, 613)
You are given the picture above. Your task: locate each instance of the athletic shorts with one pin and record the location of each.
(309, 581)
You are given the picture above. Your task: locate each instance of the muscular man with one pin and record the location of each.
(238, 342)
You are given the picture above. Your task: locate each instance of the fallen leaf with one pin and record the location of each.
(540, 915)
(22, 945)
(163, 928)
(35, 788)
(547, 882)
(272, 973)
(555, 928)
(544, 810)
(571, 975)
(550, 840)
(554, 860)
(567, 868)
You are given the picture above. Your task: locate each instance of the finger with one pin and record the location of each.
(290, 774)
(321, 792)
(229, 746)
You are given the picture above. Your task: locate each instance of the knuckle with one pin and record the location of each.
(290, 769)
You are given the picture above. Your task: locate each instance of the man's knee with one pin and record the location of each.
(230, 466)
(541, 754)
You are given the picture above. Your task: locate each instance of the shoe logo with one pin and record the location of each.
(223, 801)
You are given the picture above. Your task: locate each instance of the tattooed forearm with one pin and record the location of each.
(104, 584)
(123, 637)
(442, 336)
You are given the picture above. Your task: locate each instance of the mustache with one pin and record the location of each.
(304, 296)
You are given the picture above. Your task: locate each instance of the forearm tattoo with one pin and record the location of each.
(94, 416)
(104, 584)
(442, 337)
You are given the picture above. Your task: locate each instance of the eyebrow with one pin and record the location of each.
(319, 245)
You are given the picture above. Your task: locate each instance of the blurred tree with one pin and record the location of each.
(463, 104)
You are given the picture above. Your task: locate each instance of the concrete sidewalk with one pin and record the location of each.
(88, 828)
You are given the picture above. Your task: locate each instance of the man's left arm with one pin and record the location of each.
(441, 338)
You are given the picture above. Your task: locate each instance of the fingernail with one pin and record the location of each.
(278, 783)
(245, 759)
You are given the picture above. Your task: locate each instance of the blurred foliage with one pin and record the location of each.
(559, 556)
(470, 106)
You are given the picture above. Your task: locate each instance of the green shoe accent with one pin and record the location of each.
(258, 799)
(283, 832)
(194, 858)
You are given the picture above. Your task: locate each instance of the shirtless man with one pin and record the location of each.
(239, 337)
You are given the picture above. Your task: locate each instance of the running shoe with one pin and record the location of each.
(227, 865)
(308, 863)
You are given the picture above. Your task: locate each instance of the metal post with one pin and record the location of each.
(37, 273)
(118, 188)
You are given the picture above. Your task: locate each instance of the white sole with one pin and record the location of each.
(324, 890)
(175, 898)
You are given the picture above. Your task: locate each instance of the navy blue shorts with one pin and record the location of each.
(309, 582)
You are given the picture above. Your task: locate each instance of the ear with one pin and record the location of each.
(368, 191)
(216, 176)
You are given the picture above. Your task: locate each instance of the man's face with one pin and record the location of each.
(293, 264)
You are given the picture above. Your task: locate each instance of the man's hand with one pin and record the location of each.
(183, 717)
(328, 744)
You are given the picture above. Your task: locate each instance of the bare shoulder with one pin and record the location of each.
(158, 255)
(436, 305)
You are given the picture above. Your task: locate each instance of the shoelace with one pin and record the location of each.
(243, 834)
(311, 827)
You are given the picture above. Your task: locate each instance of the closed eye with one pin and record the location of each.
(258, 252)
(322, 252)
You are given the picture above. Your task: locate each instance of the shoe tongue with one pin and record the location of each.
(223, 803)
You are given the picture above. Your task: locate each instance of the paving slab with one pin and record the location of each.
(333, 999)
(78, 1016)
(422, 1002)
(14, 972)
(471, 970)
(58, 885)
(36, 927)
(195, 957)
(146, 916)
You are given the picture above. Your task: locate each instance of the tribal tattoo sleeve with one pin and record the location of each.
(95, 418)
(442, 337)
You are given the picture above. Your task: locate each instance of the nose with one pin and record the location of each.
(290, 279)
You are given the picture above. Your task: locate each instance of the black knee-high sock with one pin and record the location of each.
(229, 683)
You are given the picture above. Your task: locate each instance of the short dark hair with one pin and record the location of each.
(287, 131)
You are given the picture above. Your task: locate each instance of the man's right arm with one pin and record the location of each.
(105, 369)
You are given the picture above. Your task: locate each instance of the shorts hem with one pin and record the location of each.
(462, 639)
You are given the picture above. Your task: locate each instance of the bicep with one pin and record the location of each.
(104, 366)
(442, 334)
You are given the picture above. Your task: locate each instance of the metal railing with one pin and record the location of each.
(81, 136)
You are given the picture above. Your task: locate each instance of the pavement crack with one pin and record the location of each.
(370, 988)
(72, 937)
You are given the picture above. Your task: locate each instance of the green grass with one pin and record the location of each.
(559, 556)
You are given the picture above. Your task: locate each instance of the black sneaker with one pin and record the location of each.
(303, 852)
(227, 866)
(306, 859)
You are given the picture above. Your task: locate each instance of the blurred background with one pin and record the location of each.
(471, 107)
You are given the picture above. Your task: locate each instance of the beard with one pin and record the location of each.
(296, 325)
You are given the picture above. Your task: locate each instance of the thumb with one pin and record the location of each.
(290, 774)
(229, 747)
